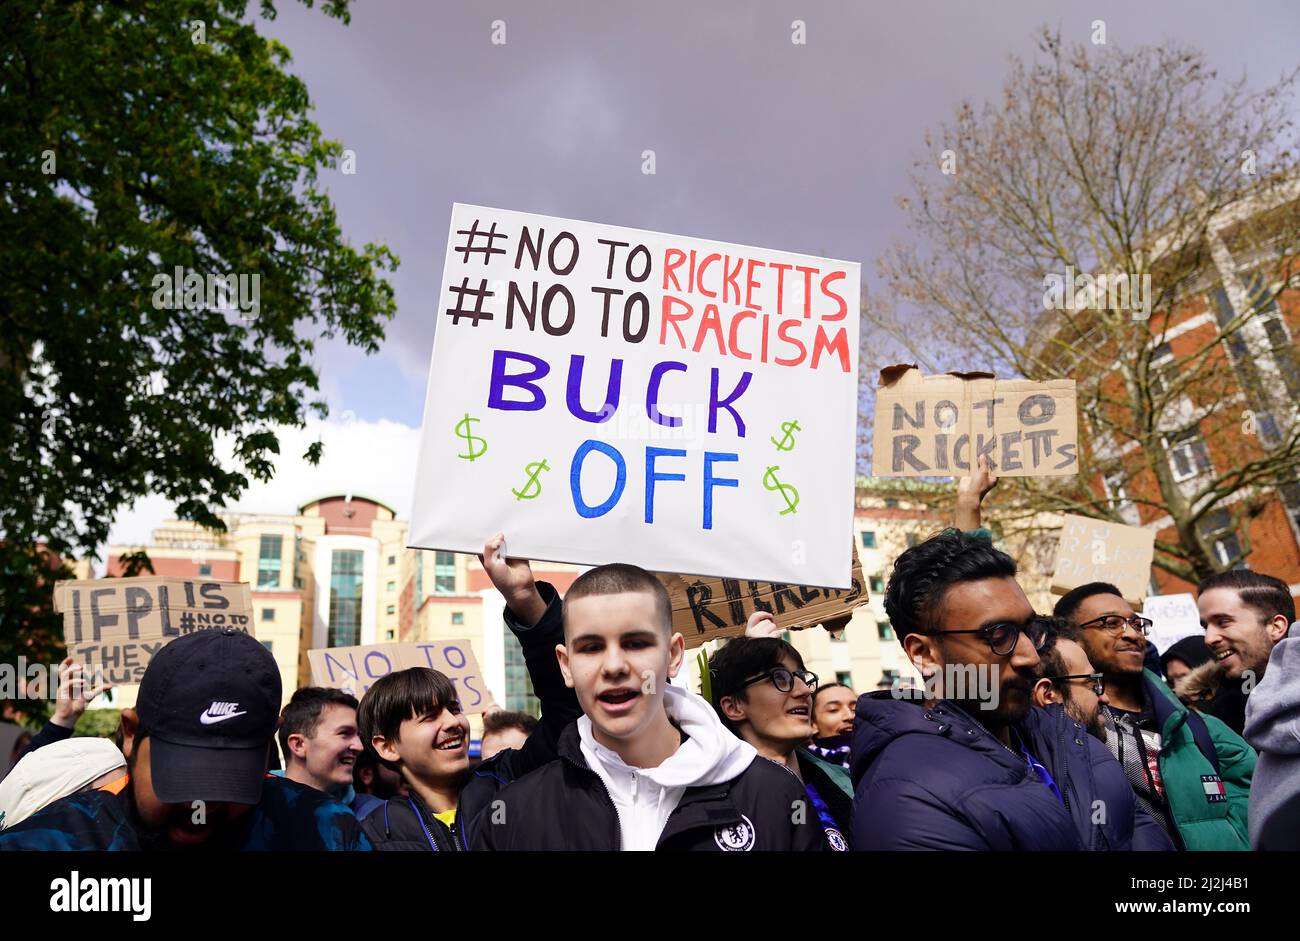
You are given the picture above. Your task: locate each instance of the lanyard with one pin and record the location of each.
(424, 826)
(1044, 775)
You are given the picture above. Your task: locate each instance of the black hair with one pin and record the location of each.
(821, 689)
(740, 659)
(406, 694)
(617, 578)
(923, 574)
(1050, 661)
(303, 713)
(1265, 595)
(1070, 602)
(504, 719)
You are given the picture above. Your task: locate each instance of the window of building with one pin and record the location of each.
(1188, 455)
(888, 678)
(444, 573)
(392, 609)
(1162, 359)
(844, 677)
(268, 614)
(267, 645)
(268, 561)
(419, 579)
(519, 686)
(877, 584)
(1291, 500)
(1117, 489)
(390, 635)
(346, 582)
(205, 570)
(1216, 528)
(885, 630)
(868, 539)
(891, 503)
(458, 617)
(392, 560)
(391, 586)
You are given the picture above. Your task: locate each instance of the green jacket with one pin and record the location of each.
(1202, 823)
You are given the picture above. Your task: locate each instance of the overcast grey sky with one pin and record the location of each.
(757, 140)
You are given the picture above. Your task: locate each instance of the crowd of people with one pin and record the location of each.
(1026, 732)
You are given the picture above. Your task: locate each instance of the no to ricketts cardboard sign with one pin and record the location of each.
(707, 609)
(117, 625)
(609, 394)
(1097, 551)
(356, 669)
(941, 425)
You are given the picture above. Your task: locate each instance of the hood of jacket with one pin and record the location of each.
(1200, 684)
(709, 755)
(1273, 709)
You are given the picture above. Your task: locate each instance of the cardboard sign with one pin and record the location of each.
(356, 669)
(706, 609)
(607, 394)
(1175, 617)
(117, 624)
(940, 425)
(1096, 551)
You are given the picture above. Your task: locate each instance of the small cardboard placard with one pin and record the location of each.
(707, 609)
(937, 426)
(117, 625)
(1097, 551)
(356, 669)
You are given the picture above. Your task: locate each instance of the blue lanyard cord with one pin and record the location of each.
(1044, 775)
(823, 812)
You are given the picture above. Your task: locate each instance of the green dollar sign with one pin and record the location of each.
(787, 442)
(775, 484)
(533, 469)
(463, 431)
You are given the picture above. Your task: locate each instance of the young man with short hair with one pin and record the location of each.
(197, 746)
(1244, 614)
(1191, 773)
(833, 706)
(763, 694)
(648, 765)
(319, 740)
(504, 729)
(414, 721)
(948, 770)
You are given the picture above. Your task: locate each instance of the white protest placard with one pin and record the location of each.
(1092, 550)
(941, 425)
(1174, 617)
(605, 394)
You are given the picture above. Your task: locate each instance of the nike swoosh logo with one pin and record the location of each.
(213, 720)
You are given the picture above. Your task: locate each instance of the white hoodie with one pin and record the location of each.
(645, 797)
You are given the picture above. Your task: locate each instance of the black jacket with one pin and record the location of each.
(565, 806)
(407, 824)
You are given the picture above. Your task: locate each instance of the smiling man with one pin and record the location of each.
(1244, 614)
(648, 765)
(319, 740)
(1190, 772)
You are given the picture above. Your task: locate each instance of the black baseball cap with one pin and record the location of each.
(209, 702)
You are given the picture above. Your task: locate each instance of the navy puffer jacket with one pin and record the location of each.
(937, 779)
(1097, 792)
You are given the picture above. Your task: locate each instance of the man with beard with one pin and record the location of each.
(197, 745)
(1068, 730)
(949, 770)
(1191, 773)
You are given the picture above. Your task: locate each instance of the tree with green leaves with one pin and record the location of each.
(170, 259)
